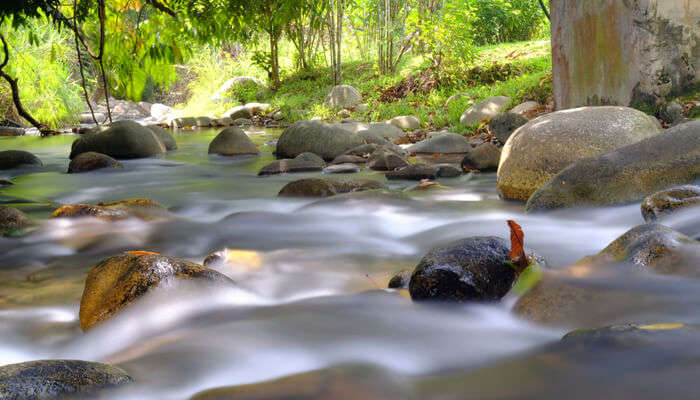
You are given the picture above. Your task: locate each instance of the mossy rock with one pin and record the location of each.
(142, 208)
(546, 145)
(116, 282)
(232, 141)
(317, 187)
(91, 161)
(54, 379)
(12, 219)
(14, 158)
(121, 140)
(627, 174)
(666, 202)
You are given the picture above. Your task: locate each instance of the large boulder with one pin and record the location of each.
(317, 187)
(232, 141)
(472, 269)
(343, 96)
(116, 282)
(14, 158)
(546, 145)
(12, 219)
(91, 161)
(626, 174)
(623, 52)
(443, 143)
(165, 137)
(122, 139)
(304, 162)
(316, 137)
(54, 379)
(666, 202)
(488, 108)
(141, 208)
(484, 157)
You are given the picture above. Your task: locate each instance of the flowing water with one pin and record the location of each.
(309, 276)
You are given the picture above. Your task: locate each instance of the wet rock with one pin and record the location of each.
(317, 187)
(91, 161)
(548, 144)
(343, 96)
(484, 157)
(341, 169)
(413, 172)
(341, 383)
(222, 122)
(448, 171)
(384, 159)
(12, 219)
(524, 108)
(14, 158)
(116, 282)
(122, 139)
(488, 108)
(407, 123)
(472, 269)
(203, 122)
(630, 335)
(653, 246)
(348, 159)
(503, 125)
(666, 202)
(165, 137)
(304, 162)
(625, 175)
(141, 208)
(444, 143)
(423, 187)
(316, 137)
(54, 379)
(400, 280)
(232, 141)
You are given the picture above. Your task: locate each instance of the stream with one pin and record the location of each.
(310, 276)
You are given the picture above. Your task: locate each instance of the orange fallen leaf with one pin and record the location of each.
(517, 250)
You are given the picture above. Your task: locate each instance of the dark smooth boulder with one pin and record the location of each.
(304, 162)
(121, 140)
(472, 269)
(232, 141)
(666, 202)
(165, 137)
(58, 379)
(116, 282)
(316, 187)
(401, 280)
(12, 219)
(503, 125)
(627, 174)
(91, 161)
(414, 172)
(316, 137)
(14, 158)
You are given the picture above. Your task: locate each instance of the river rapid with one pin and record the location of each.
(310, 276)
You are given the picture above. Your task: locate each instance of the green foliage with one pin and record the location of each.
(499, 21)
(42, 60)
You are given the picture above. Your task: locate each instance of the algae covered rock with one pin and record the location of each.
(546, 145)
(141, 208)
(116, 282)
(627, 174)
(91, 161)
(54, 379)
(666, 202)
(317, 187)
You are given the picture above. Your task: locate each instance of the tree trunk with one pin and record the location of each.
(274, 60)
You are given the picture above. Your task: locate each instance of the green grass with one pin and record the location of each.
(302, 95)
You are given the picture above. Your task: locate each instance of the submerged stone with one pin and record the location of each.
(91, 161)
